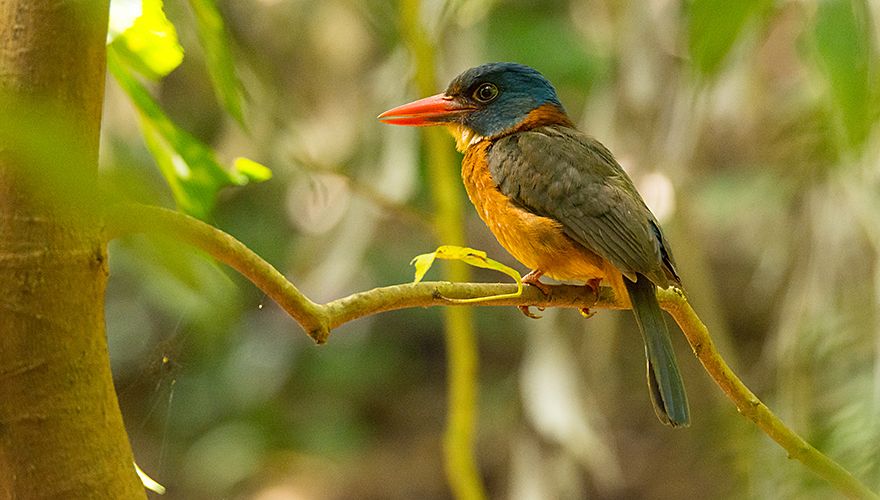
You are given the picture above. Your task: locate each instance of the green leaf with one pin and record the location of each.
(846, 56)
(476, 258)
(149, 45)
(194, 194)
(218, 56)
(713, 28)
(189, 166)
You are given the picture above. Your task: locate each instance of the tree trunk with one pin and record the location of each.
(61, 431)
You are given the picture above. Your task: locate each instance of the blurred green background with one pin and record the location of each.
(749, 127)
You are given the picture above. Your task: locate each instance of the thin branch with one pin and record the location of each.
(749, 405)
(319, 319)
(225, 248)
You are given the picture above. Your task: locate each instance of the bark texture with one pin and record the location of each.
(61, 431)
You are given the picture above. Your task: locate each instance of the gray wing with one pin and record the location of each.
(561, 173)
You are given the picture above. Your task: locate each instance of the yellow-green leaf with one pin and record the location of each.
(252, 170)
(189, 166)
(149, 45)
(422, 264)
(476, 258)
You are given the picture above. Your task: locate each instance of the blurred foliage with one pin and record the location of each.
(750, 127)
(149, 47)
(713, 28)
(218, 56)
(845, 47)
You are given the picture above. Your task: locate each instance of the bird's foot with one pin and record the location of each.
(534, 279)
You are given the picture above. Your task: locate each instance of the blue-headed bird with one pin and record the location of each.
(558, 201)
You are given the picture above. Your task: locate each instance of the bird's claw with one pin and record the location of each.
(525, 310)
(593, 285)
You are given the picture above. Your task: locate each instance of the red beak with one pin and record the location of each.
(433, 110)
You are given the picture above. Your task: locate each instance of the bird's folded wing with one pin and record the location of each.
(561, 173)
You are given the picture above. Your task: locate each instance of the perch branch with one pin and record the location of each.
(319, 319)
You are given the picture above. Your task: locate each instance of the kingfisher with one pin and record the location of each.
(557, 200)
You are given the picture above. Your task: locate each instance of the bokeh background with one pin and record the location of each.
(749, 127)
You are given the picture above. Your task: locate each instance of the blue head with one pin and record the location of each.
(484, 101)
(501, 96)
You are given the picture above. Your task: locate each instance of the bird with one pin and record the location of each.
(559, 202)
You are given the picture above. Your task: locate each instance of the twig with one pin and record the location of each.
(318, 319)
(749, 405)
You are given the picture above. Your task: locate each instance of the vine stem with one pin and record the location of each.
(318, 319)
(462, 363)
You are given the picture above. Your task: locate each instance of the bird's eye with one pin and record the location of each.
(486, 92)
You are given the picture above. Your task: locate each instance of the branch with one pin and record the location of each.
(126, 219)
(749, 405)
(438, 293)
(319, 319)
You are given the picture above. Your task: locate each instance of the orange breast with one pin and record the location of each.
(538, 242)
